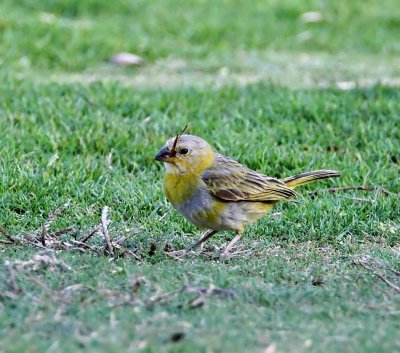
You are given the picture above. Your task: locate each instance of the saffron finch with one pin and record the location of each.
(216, 192)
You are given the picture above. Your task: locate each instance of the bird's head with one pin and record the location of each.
(186, 154)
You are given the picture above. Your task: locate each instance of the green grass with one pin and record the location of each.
(274, 130)
(93, 144)
(73, 35)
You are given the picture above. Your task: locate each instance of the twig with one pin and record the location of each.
(60, 232)
(209, 291)
(384, 191)
(121, 240)
(49, 221)
(47, 240)
(109, 160)
(173, 256)
(36, 244)
(104, 215)
(162, 297)
(7, 235)
(197, 302)
(356, 198)
(204, 293)
(84, 245)
(348, 188)
(383, 264)
(390, 284)
(397, 273)
(379, 275)
(93, 232)
(130, 252)
(164, 215)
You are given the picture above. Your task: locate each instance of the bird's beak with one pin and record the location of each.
(163, 155)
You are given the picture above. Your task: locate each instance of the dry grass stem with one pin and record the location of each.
(44, 240)
(368, 264)
(61, 232)
(93, 232)
(104, 220)
(50, 220)
(6, 235)
(210, 291)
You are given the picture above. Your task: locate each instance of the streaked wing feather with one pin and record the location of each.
(231, 181)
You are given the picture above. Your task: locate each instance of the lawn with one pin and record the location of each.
(262, 85)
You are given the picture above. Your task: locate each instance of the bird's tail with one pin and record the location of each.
(307, 177)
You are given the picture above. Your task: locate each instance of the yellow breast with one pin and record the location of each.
(179, 188)
(190, 197)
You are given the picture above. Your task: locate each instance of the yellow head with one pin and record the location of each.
(186, 154)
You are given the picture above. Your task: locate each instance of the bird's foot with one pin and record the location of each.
(227, 255)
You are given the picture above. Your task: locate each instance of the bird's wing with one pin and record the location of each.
(231, 181)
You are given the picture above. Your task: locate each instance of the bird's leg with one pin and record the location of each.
(179, 254)
(202, 239)
(232, 242)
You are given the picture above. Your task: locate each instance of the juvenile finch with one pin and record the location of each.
(217, 193)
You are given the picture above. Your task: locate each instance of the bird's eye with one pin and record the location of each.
(184, 151)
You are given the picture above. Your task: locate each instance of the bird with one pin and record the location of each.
(217, 193)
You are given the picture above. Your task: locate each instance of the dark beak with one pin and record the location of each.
(162, 155)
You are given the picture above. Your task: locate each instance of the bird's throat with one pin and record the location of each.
(179, 187)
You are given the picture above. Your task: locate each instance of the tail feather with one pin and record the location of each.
(307, 177)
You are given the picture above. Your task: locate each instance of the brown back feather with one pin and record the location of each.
(231, 181)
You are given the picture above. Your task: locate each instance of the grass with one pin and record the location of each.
(92, 144)
(275, 295)
(72, 36)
